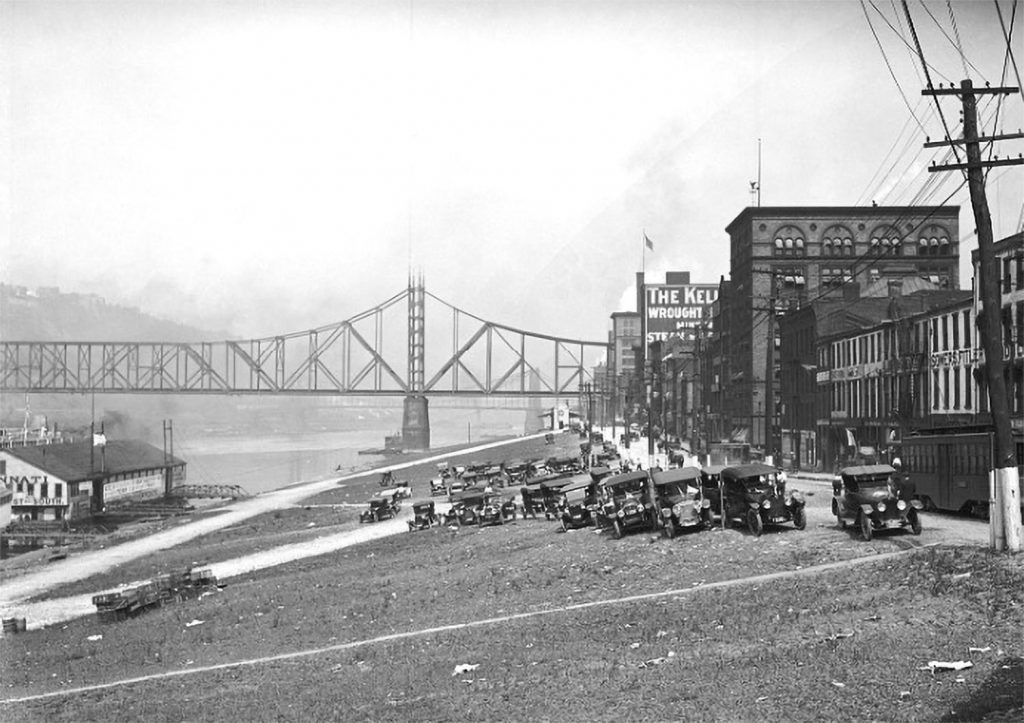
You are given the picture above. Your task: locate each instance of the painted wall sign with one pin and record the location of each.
(678, 310)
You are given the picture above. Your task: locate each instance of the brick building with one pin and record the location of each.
(781, 258)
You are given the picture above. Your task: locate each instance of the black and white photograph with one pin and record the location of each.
(511, 360)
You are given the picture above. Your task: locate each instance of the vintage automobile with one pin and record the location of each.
(626, 502)
(579, 498)
(424, 516)
(680, 500)
(494, 476)
(754, 494)
(467, 506)
(599, 472)
(379, 508)
(549, 438)
(515, 472)
(438, 486)
(533, 499)
(495, 510)
(872, 497)
(564, 465)
(551, 494)
(711, 484)
(456, 485)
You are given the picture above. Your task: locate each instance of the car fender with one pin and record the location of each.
(754, 505)
(867, 509)
(916, 504)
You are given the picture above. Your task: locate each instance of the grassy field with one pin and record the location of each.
(521, 622)
(846, 644)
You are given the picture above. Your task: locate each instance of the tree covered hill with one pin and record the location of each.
(46, 314)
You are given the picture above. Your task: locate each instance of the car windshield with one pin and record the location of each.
(870, 486)
(676, 489)
(759, 482)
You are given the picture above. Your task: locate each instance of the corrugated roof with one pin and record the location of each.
(76, 461)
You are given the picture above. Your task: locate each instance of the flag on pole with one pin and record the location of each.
(648, 243)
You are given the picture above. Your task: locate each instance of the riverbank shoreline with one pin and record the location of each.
(82, 565)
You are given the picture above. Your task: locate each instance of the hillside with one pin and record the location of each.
(46, 314)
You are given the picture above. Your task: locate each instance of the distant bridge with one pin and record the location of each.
(380, 352)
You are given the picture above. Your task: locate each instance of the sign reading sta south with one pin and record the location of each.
(678, 310)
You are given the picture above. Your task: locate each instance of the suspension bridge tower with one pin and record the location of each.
(415, 417)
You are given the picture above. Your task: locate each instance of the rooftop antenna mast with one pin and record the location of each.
(755, 186)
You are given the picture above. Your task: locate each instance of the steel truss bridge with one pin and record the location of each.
(381, 351)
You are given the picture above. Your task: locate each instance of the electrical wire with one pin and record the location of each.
(928, 78)
(899, 34)
(888, 65)
(1008, 35)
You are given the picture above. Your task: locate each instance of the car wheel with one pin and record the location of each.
(754, 522)
(865, 527)
(915, 521)
(799, 518)
(670, 529)
(617, 530)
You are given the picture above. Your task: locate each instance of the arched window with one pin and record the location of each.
(933, 240)
(789, 241)
(885, 240)
(836, 240)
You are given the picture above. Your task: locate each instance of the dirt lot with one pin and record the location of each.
(556, 627)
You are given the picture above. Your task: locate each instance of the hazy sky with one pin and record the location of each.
(267, 167)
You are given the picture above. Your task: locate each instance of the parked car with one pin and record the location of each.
(680, 501)
(551, 494)
(579, 498)
(872, 497)
(626, 502)
(533, 500)
(379, 508)
(492, 511)
(755, 495)
(424, 516)
(467, 506)
(438, 486)
(456, 486)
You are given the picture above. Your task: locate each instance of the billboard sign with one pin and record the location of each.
(678, 310)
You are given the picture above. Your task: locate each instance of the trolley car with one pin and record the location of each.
(950, 471)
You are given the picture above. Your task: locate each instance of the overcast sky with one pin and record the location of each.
(267, 167)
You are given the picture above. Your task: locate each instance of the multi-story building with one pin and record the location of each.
(1010, 261)
(623, 341)
(783, 257)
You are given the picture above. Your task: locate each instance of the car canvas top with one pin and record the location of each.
(748, 470)
(679, 474)
(874, 470)
(619, 479)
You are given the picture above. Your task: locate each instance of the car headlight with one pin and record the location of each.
(621, 513)
(881, 507)
(666, 512)
(901, 505)
(766, 504)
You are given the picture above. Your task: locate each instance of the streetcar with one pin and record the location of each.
(950, 470)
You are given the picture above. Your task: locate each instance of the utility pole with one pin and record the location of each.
(769, 384)
(1004, 512)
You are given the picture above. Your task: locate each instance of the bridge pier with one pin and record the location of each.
(415, 423)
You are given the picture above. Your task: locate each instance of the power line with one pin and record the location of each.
(1007, 36)
(927, 76)
(899, 34)
(889, 66)
(907, 145)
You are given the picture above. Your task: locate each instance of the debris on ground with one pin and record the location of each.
(934, 665)
(464, 668)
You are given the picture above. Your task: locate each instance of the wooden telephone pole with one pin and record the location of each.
(1004, 511)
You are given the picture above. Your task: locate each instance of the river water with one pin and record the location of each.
(264, 461)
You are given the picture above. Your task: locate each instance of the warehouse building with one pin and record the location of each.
(69, 481)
